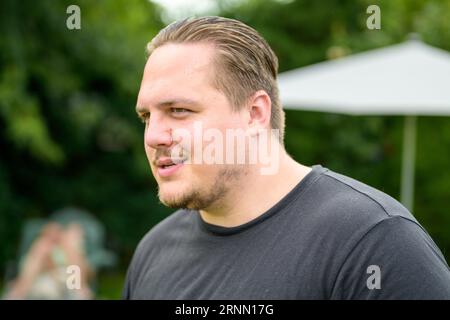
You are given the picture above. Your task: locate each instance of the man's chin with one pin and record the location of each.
(174, 200)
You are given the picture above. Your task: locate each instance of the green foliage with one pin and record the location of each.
(68, 131)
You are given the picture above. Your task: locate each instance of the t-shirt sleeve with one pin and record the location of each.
(127, 291)
(126, 287)
(395, 259)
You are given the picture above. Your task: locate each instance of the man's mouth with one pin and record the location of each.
(168, 166)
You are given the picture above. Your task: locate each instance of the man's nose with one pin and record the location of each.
(157, 134)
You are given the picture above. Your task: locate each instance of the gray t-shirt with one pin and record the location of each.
(331, 237)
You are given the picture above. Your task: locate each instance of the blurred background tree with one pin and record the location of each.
(69, 134)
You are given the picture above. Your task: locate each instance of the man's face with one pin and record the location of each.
(177, 92)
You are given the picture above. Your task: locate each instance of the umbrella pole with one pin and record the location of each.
(408, 163)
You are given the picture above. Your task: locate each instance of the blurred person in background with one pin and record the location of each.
(71, 237)
(43, 274)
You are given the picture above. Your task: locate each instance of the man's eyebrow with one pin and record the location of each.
(141, 109)
(167, 103)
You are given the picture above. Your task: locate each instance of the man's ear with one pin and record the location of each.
(259, 109)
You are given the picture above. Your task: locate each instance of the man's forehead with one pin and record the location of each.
(176, 70)
(182, 59)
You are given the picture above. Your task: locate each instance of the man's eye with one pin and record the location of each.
(179, 111)
(144, 117)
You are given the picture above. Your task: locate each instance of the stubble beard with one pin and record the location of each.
(207, 196)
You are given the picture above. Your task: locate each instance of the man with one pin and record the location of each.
(290, 232)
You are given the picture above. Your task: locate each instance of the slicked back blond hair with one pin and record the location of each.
(245, 62)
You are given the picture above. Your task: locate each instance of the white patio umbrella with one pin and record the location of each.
(409, 79)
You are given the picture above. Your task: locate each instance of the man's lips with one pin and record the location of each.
(167, 166)
(169, 170)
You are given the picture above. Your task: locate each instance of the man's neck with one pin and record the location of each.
(256, 194)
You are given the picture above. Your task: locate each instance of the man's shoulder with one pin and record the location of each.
(366, 195)
(173, 223)
(342, 197)
(154, 242)
(342, 210)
